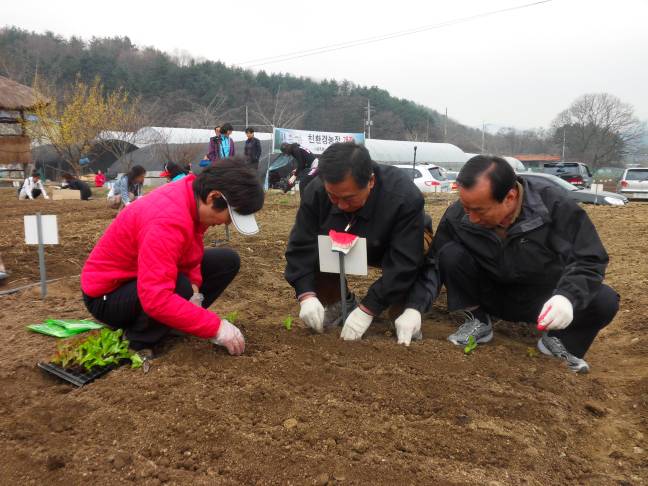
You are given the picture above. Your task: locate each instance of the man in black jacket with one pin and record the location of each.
(522, 251)
(379, 203)
(304, 172)
(252, 148)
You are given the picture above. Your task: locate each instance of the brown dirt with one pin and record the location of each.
(304, 409)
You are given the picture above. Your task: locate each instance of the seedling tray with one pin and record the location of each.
(76, 378)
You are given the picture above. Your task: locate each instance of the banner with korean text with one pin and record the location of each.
(316, 142)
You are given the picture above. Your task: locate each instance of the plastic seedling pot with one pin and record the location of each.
(77, 378)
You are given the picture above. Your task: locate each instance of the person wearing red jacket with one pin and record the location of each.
(150, 273)
(100, 179)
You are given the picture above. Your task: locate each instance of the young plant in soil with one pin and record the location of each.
(471, 346)
(287, 322)
(232, 317)
(98, 349)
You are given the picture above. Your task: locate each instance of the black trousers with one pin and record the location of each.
(469, 286)
(121, 309)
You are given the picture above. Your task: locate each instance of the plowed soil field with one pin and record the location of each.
(304, 409)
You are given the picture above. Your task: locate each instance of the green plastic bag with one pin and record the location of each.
(63, 328)
(75, 325)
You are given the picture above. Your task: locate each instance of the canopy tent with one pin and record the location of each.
(402, 152)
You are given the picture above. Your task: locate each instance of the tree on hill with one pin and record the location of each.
(598, 129)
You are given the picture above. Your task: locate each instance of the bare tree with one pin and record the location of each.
(283, 109)
(125, 135)
(203, 116)
(180, 153)
(598, 128)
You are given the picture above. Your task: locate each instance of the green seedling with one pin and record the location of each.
(232, 316)
(100, 348)
(471, 346)
(532, 353)
(287, 322)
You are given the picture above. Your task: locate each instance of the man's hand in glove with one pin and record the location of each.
(230, 337)
(312, 313)
(408, 326)
(557, 313)
(356, 325)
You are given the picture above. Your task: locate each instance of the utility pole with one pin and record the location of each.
(368, 121)
(246, 117)
(445, 126)
(563, 150)
(483, 137)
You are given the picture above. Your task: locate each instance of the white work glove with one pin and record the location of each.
(230, 337)
(408, 326)
(356, 325)
(197, 299)
(557, 313)
(312, 313)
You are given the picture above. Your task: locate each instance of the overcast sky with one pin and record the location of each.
(517, 68)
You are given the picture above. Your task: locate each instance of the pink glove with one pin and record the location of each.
(230, 337)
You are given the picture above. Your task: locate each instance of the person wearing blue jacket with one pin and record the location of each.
(127, 188)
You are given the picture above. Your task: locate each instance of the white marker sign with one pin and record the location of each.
(355, 262)
(50, 230)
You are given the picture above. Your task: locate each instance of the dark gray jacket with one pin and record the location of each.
(553, 243)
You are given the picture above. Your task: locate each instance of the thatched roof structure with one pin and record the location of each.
(15, 96)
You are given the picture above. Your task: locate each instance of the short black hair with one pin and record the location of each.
(341, 159)
(287, 148)
(226, 127)
(174, 169)
(249, 130)
(68, 177)
(35, 173)
(236, 181)
(135, 171)
(499, 172)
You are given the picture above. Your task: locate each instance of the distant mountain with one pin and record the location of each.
(182, 91)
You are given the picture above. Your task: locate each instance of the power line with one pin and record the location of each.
(379, 38)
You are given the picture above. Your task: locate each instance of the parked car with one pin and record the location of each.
(578, 194)
(575, 173)
(451, 177)
(427, 177)
(634, 183)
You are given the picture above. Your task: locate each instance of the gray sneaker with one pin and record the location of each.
(333, 312)
(552, 346)
(472, 326)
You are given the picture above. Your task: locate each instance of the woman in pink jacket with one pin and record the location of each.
(150, 273)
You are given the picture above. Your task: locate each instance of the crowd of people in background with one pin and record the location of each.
(129, 186)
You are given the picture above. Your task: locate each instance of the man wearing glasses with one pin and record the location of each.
(380, 203)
